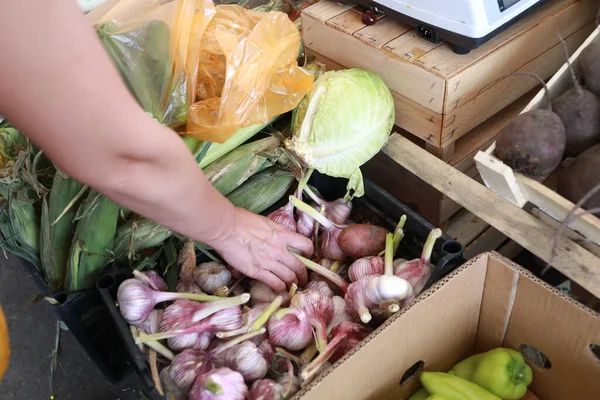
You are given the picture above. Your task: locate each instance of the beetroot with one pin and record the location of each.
(579, 110)
(580, 177)
(589, 65)
(362, 240)
(534, 142)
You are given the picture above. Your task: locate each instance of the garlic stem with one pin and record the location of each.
(316, 228)
(292, 292)
(214, 388)
(398, 236)
(364, 313)
(434, 235)
(223, 291)
(218, 305)
(144, 278)
(335, 266)
(320, 218)
(389, 254)
(135, 333)
(236, 284)
(157, 346)
(234, 342)
(154, 369)
(285, 311)
(326, 273)
(308, 354)
(309, 371)
(290, 385)
(287, 354)
(266, 314)
(302, 185)
(313, 196)
(168, 296)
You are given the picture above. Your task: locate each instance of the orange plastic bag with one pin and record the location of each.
(204, 69)
(247, 72)
(155, 46)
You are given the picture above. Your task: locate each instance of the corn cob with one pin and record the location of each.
(137, 235)
(57, 233)
(230, 171)
(25, 222)
(10, 241)
(92, 244)
(262, 190)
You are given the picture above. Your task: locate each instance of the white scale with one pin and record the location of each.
(464, 24)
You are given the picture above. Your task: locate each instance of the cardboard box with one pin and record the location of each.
(486, 303)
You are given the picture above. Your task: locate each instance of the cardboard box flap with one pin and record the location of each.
(563, 330)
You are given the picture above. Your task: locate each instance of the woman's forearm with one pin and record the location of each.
(60, 88)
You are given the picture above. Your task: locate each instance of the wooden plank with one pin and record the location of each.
(383, 32)
(349, 21)
(402, 77)
(500, 178)
(448, 64)
(571, 259)
(510, 249)
(558, 207)
(324, 10)
(410, 46)
(465, 227)
(410, 116)
(460, 121)
(572, 235)
(489, 240)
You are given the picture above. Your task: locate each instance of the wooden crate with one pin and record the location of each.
(441, 96)
(571, 258)
(521, 190)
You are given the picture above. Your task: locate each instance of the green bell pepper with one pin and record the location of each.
(501, 371)
(452, 387)
(422, 394)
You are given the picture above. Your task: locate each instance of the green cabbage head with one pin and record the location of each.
(345, 120)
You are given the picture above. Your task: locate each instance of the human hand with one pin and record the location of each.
(258, 247)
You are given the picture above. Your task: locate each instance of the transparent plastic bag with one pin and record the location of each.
(155, 46)
(206, 70)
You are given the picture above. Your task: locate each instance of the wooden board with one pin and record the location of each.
(571, 259)
(441, 96)
(521, 190)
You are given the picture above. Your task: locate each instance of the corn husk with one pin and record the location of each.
(11, 241)
(57, 228)
(232, 170)
(262, 190)
(139, 234)
(93, 242)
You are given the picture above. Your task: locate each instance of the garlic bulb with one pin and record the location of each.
(321, 287)
(151, 324)
(187, 286)
(171, 389)
(152, 278)
(194, 341)
(284, 216)
(261, 293)
(136, 299)
(186, 366)
(290, 328)
(248, 360)
(219, 384)
(368, 294)
(344, 335)
(337, 211)
(329, 244)
(266, 389)
(340, 313)
(305, 224)
(319, 310)
(211, 276)
(365, 267)
(418, 271)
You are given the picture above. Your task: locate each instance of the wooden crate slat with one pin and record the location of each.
(571, 259)
(383, 32)
(322, 11)
(513, 55)
(349, 21)
(410, 47)
(445, 62)
(402, 77)
(502, 94)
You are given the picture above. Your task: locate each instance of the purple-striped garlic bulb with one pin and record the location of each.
(187, 286)
(290, 328)
(186, 366)
(319, 310)
(195, 341)
(321, 287)
(212, 276)
(366, 266)
(247, 359)
(284, 216)
(340, 313)
(152, 323)
(152, 279)
(219, 384)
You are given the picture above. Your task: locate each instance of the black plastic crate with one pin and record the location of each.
(377, 207)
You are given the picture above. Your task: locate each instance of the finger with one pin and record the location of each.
(302, 243)
(282, 272)
(297, 267)
(271, 280)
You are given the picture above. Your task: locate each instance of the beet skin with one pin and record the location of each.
(580, 177)
(362, 240)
